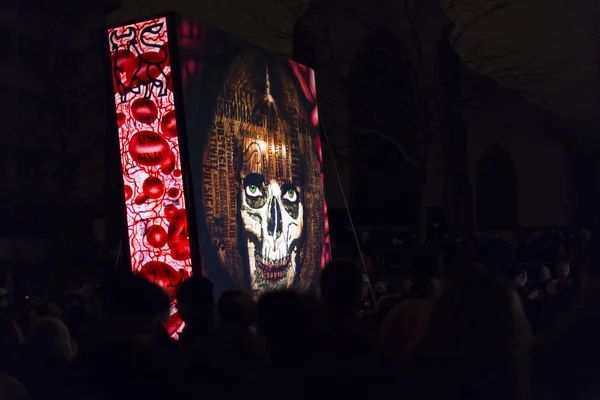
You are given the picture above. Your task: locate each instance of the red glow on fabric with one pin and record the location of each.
(306, 80)
(326, 254)
(154, 196)
(144, 111)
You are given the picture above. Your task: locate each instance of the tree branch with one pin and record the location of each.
(472, 23)
(395, 142)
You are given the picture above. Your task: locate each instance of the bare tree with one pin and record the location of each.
(438, 39)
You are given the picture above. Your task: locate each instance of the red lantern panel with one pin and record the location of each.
(150, 156)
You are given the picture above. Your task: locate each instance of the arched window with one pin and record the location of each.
(497, 196)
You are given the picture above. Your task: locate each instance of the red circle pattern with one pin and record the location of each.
(150, 157)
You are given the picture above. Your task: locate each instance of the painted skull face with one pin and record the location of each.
(272, 215)
(271, 208)
(262, 190)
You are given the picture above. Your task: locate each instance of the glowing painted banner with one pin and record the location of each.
(253, 148)
(253, 128)
(141, 65)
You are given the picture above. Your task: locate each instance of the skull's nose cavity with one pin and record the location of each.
(274, 226)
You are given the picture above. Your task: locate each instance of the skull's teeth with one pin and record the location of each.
(272, 269)
(272, 263)
(274, 275)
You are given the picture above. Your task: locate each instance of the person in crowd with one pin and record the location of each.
(545, 277)
(49, 351)
(122, 361)
(567, 358)
(381, 290)
(292, 325)
(11, 389)
(234, 354)
(49, 342)
(237, 310)
(563, 289)
(37, 309)
(476, 345)
(196, 305)
(75, 315)
(564, 280)
(341, 291)
(349, 347)
(518, 278)
(404, 325)
(11, 336)
(531, 300)
(90, 299)
(407, 283)
(403, 328)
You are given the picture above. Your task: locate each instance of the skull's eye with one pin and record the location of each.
(253, 191)
(290, 195)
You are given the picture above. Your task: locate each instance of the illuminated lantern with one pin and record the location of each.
(149, 148)
(164, 275)
(144, 111)
(168, 124)
(121, 118)
(156, 236)
(153, 187)
(178, 239)
(173, 192)
(168, 164)
(177, 173)
(128, 192)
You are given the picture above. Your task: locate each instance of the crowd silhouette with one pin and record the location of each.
(469, 334)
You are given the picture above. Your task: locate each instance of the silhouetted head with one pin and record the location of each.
(236, 308)
(49, 341)
(134, 304)
(195, 298)
(341, 287)
(287, 319)
(478, 339)
(563, 268)
(518, 277)
(545, 274)
(11, 389)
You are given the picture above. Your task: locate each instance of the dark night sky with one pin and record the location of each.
(235, 16)
(558, 34)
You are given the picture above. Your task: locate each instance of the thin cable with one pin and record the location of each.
(339, 179)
